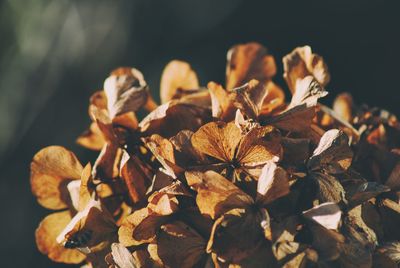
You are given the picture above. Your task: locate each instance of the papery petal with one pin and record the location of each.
(333, 153)
(272, 184)
(126, 91)
(178, 245)
(177, 75)
(217, 139)
(246, 62)
(51, 169)
(46, 234)
(235, 235)
(215, 194)
(300, 63)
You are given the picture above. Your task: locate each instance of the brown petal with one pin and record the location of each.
(329, 188)
(258, 146)
(90, 230)
(235, 235)
(275, 98)
(295, 151)
(85, 191)
(183, 144)
(46, 234)
(126, 91)
(178, 245)
(163, 150)
(327, 242)
(140, 227)
(296, 119)
(272, 184)
(221, 105)
(308, 91)
(170, 118)
(106, 165)
(176, 75)
(215, 194)
(246, 62)
(333, 153)
(217, 139)
(92, 138)
(51, 169)
(343, 106)
(135, 177)
(249, 98)
(300, 63)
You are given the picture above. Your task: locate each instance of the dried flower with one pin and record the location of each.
(225, 177)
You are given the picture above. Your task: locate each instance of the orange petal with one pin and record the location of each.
(258, 146)
(217, 139)
(92, 138)
(302, 62)
(46, 234)
(51, 169)
(246, 62)
(176, 75)
(215, 194)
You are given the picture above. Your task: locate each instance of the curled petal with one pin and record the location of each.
(126, 91)
(177, 75)
(246, 62)
(300, 63)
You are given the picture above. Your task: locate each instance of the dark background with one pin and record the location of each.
(54, 54)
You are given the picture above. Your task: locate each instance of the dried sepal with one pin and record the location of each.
(333, 153)
(246, 62)
(272, 184)
(300, 63)
(49, 228)
(122, 257)
(215, 194)
(327, 214)
(178, 245)
(126, 91)
(51, 169)
(177, 75)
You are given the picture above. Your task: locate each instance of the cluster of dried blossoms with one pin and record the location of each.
(225, 177)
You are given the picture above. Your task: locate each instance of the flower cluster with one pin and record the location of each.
(225, 176)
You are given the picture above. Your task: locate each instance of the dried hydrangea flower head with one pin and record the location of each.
(225, 176)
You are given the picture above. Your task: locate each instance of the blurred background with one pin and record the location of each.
(54, 54)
